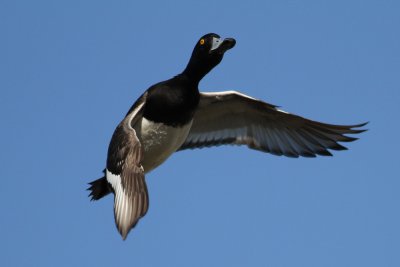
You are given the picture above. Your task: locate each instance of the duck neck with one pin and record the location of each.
(196, 71)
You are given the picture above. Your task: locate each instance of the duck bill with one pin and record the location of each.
(220, 45)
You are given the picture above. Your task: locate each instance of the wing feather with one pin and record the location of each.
(126, 175)
(234, 118)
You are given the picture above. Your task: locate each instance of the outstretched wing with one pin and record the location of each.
(234, 118)
(126, 175)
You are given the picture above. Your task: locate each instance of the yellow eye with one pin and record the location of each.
(202, 41)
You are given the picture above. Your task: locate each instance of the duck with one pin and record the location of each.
(173, 115)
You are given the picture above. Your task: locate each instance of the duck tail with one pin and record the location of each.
(99, 188)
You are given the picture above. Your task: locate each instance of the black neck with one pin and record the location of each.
(196, 70)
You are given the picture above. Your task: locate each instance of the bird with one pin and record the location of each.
(173, 115)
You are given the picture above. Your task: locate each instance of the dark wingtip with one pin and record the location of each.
(324, 153)
(356, 131)
(363, 124)
(308, 155)
(348, 139)
(338, 147)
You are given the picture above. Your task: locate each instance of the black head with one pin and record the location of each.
(207, 54)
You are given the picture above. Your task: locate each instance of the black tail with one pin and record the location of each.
(99, 188)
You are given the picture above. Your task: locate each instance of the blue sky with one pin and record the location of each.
(71, 69)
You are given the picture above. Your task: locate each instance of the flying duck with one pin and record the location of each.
(173, 115)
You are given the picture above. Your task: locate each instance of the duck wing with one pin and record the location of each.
(233, 118)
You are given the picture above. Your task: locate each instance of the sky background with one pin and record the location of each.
(70, 70)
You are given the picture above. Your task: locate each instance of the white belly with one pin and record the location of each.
(159, 141)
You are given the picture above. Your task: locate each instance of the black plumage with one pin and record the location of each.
(173, 115)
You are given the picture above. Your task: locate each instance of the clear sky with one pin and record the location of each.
(70, 70)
